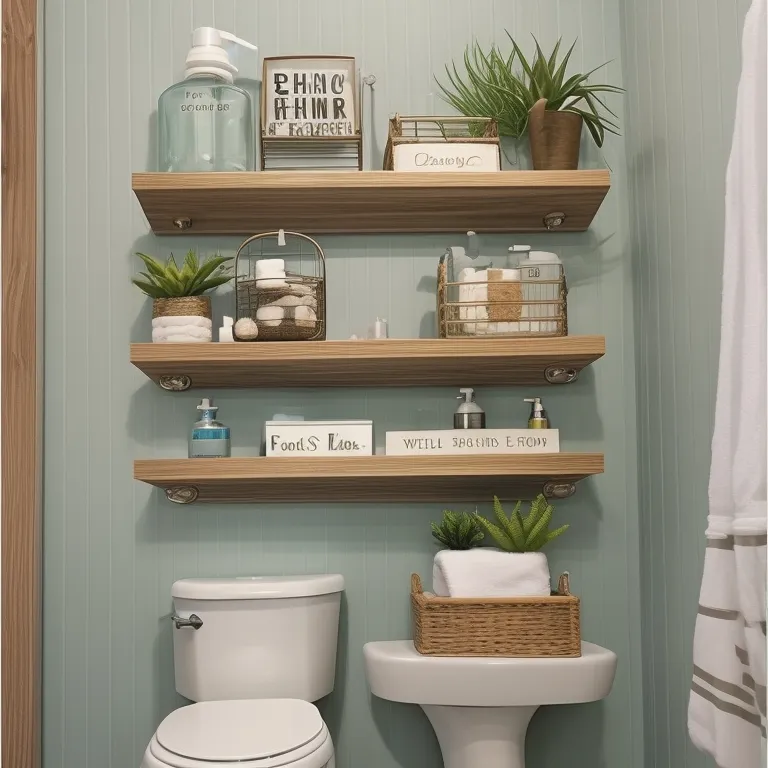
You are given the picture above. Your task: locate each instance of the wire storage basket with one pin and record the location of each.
(487, 303)
(280, 286)
(496, 626)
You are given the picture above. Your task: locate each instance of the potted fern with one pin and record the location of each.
(534, 97)
(180, 311)
(516, 567)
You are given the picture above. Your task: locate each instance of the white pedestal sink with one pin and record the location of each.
(480, 707)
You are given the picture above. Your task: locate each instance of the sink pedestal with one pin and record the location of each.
(481, 737)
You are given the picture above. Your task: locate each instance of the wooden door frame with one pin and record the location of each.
(21, 391)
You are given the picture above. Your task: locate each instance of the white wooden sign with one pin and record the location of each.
(446, 442)
(446, 156)
(309, 97)
(319, 438)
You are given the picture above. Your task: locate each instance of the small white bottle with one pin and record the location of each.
(205, 122)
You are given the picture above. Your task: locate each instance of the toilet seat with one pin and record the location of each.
(250, 733)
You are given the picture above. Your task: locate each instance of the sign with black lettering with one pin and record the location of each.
(455, 442)
(310, 97)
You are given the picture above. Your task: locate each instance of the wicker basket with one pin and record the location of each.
(496, 626)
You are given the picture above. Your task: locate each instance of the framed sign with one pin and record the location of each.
(310, 97)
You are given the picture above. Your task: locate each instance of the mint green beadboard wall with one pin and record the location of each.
(113, 547)
(682, 60)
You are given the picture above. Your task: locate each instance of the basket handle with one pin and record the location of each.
(416, 588)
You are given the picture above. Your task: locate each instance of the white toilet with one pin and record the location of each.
(254, 653)
(480, 706)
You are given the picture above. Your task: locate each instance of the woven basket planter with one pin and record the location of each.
(496, 626)
(167, 327)
(183, 306)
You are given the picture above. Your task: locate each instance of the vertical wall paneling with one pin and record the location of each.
(681, 65)
(114, 547)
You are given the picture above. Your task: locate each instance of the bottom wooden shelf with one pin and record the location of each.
(369, 478)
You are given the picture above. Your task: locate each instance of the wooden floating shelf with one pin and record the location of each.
(382, 363)
(368, 478)
(368, 201)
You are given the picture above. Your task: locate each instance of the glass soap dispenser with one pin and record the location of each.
(209, 438)
(205, 122)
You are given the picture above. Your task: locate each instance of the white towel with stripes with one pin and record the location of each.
(727, 709)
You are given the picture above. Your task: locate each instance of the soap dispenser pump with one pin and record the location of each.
(469, 415)
(538, 418)
(205, 122)
(209, 438)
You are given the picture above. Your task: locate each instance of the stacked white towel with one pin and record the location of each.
(270, 273)
(182, 328)
(489, 572)
(475, 295)
(473, 298)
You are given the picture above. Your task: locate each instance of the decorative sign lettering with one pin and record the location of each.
(451, 442)
(309, 97)
(319, 438)
(446, 156)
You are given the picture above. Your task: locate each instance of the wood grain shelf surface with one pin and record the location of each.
(369, 201)
(368, 478)
(379, 363)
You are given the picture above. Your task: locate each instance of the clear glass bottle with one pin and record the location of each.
(205, 122)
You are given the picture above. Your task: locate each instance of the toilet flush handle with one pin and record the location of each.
(193, 621)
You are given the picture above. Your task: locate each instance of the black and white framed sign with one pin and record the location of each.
(312, 97)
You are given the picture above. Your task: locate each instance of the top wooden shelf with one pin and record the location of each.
(368, 201)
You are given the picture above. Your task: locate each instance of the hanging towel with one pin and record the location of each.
(727, 708)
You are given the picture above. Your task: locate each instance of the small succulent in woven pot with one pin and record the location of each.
(180, 311)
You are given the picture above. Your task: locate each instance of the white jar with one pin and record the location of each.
(542, 276)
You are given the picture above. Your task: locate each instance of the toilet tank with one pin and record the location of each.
(261, 637)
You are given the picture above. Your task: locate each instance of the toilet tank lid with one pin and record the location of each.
(258, 587)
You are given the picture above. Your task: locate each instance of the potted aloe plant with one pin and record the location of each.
(515, 567)
(537, 97)
(180, 311)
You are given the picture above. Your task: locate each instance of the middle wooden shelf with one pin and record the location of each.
(382, 363)
(369, 478)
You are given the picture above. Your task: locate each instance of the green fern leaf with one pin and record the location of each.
(557, 532)
(511, 526)
(496, 533)
(536, 538)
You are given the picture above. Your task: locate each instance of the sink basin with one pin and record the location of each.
(480, 706)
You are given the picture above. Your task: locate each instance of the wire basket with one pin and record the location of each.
(496, 626)
(287, 305)
(534, 305)
(417, 129)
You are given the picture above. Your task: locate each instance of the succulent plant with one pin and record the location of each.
(518, 533)
(458, 530)
(167, 281)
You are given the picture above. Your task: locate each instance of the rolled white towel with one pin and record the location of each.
(271, 282)
(299, 289)
(170, 321)
(305, 317)
(269, 267)
(489, 572)
(270, 315)
(246, 328)
(182, 334)
(294, 301)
